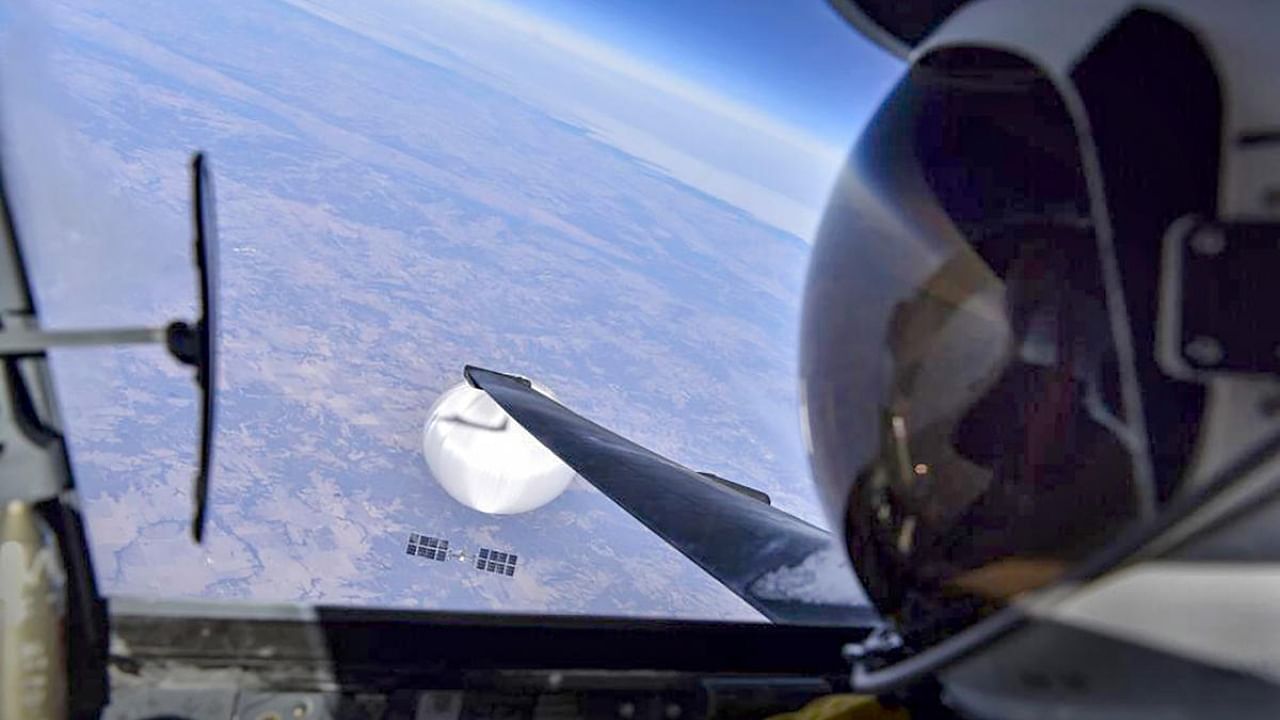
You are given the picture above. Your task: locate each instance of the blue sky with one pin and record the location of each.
(755, 106)
(796, 60)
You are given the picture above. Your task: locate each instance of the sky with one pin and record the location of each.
(756, 106)
(795, 60)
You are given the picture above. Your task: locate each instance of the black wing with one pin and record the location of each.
(772, 560)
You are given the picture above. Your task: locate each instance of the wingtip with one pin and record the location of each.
(198, 515)
(469, 374)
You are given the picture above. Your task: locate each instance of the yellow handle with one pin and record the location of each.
(845, 707)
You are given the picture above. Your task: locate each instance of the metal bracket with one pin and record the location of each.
(879, 642)
(20, 342)
(1220, 299)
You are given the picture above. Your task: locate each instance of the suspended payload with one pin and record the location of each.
(484, 459)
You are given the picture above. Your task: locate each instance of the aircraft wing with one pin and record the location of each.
(785, 568)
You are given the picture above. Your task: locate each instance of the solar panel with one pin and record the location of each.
(425, 546)
(496, 562)
(487, 559)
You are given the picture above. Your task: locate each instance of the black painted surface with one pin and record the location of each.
(733, 537)
(388, 648)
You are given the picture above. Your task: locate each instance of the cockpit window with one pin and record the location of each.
(614, 200)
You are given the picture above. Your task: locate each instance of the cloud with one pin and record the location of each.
(824, 577)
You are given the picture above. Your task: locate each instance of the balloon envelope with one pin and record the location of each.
(484, 459)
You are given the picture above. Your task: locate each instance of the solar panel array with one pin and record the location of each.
(496, 562)
(427, 547)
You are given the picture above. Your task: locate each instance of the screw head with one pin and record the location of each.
(1204, 350)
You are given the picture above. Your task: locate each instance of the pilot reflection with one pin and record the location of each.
(1003, 403)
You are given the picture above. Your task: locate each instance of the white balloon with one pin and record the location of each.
(484, 459)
